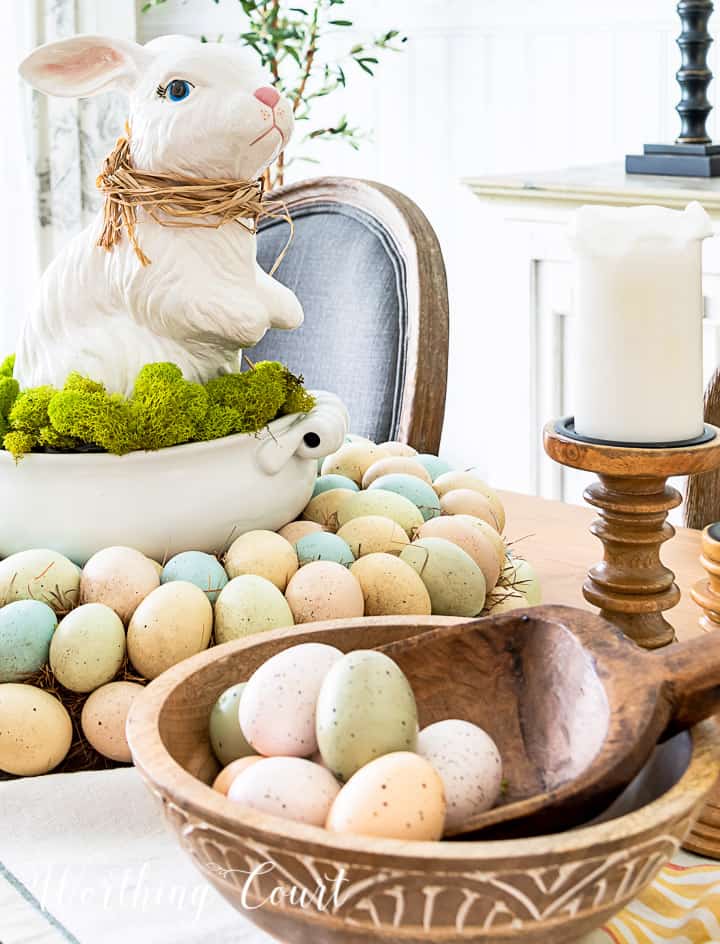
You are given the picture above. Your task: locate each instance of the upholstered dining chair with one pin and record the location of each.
(367, 268)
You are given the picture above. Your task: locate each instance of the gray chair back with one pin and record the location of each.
(352, 274)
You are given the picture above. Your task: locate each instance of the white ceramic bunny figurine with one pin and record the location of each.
(196, 109)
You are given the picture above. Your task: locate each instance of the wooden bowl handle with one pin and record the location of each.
(691, 675)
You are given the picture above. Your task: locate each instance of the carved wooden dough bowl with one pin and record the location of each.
(193, 497)
(544, 889)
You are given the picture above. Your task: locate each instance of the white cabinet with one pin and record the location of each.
(529, 310)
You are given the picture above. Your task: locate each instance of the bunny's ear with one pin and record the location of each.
(84, 65)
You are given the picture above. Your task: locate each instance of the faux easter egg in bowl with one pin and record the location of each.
(302, 883)
(196, 496)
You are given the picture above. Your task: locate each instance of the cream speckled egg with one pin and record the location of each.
(88, 647)
(386, 504)
(353, 460)
(454, 581)
(511, 601)
(119, 577)
(289, 787)
(324, 590)
(265, 554)
(466, 501)
(40, 575)
(390, 586)
(299, 529)
(103, 719)
(401, 465)
(277, 710)
(460, 530)
(35, 730)
(373, 534)
(398, 796)
(248, 605)
(394, 448)
(173, 622)
(450, 481)
(469, 765)
(325, 508)
(226, 776)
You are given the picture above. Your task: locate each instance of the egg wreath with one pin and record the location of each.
(386, 532)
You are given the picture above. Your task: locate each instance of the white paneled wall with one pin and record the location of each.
(486, 86)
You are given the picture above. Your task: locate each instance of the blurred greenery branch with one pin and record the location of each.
(289, 36)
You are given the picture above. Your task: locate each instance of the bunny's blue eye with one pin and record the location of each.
(178, 89)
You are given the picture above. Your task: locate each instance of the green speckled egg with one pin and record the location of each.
(414, 489)
(40, 574)
(324, 546)
(379, 501)
(325, 482)
(249, 604)
(434, 464)
(454, 581)
(521, 576)
(26, 628)
(226, 736)
(88, 647)
(365, 709)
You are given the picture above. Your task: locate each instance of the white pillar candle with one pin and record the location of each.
(638, 301)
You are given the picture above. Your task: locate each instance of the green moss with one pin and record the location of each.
(7, 366)
(163, 410)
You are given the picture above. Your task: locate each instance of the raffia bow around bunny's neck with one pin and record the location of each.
(177, 200)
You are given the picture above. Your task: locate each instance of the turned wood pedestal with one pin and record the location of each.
(631, 586)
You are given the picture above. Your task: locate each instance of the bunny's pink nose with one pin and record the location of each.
(267, 95)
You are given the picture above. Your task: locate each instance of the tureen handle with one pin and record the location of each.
(312, 435)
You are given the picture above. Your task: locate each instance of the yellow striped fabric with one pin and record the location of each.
(682, 905)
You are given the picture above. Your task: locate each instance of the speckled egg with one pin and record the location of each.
(461, 531)
(414, 489)
(353, 460)
(454, 581)
(173, 622)
(40, 575)
(465, 501)
(394, 448)
(158, 567)
(326, 482)
(226, 776)
(265, 554)
(395, 465)
(324, 590)
(204, 570)
(277, 711)
(390, 587)
(398, 796)
(103, 719)
(326, 507)
(226, 737)
(118, 577)
(523, 579)
(386, 504)
(35, 730)
(505, 604)
(288, 787)
(248, 605)
(434, 465)
(366, 708)
(373, 534)
(488, 531)
(88, 647)
(26, 628)
(450, 481)
(469, 765)
(298, 529)
(324, 546)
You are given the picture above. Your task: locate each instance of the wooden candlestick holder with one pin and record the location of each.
(704, 838)
(631, 585)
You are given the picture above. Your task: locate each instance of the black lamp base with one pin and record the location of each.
(676, 160)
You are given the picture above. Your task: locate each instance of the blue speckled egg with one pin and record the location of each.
(412, 488)
(204, 570)
(325, 482)
(434, 464)
(324, 546)
(26, 628)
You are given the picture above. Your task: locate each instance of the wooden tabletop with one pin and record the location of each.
(555, 538)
